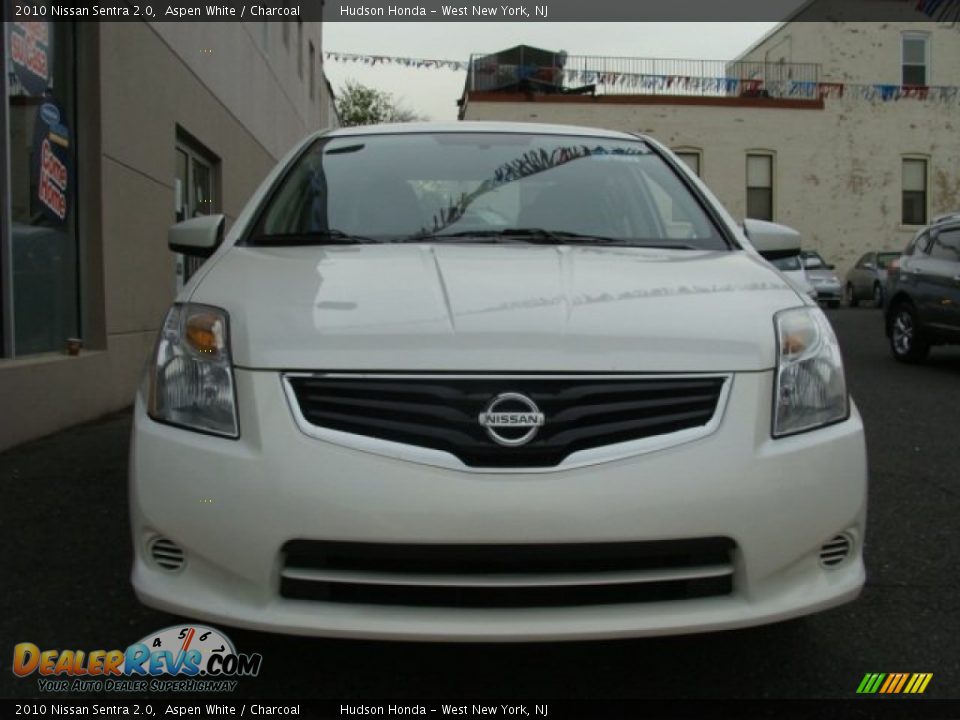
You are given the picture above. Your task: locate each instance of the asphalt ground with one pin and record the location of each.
(66, 558)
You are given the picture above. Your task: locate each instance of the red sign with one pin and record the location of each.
(53, 181)
(30, 53)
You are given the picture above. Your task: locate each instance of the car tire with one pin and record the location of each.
(833, 304)
(906, 340)
(851, 296)
(877, 295)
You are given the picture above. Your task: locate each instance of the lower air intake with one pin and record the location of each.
(507, 575)
(166, 554)
(836, 550)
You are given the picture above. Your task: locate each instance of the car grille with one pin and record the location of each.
(442, 413)
(556, 575)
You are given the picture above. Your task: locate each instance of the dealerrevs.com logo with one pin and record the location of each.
(191, 658)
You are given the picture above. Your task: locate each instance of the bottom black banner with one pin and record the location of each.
(867, 708)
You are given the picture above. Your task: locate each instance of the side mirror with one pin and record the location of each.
(199, 236)
(831, 267)
(771, 240)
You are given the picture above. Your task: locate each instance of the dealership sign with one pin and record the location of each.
(31, 54)
(51, 161)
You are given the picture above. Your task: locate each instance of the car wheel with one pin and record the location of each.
(851, 296)
(906, 342)
(833, 304)
(877, 295)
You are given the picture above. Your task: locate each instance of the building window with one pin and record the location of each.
(195, 192)
(313, 80)
(39, 280)
(300, 48)
(915, 58)
(691, 158)
(914, 191)
(760, 187)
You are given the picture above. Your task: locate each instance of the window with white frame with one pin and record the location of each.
(760, 186)
(915, 59)
(691, 158)
(914, 189)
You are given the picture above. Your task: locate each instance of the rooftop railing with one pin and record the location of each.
(559, 73)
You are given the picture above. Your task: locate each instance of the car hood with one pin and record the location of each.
(475, 307)
(800, 280)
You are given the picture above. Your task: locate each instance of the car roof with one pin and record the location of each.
(949, 222)
(480, 127)
(946, 217)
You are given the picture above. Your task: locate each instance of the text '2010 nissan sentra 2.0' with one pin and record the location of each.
(493, 382)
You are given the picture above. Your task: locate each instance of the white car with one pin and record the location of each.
(493, 382)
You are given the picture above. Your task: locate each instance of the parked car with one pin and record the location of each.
(924, 305)
(821, 275)
(792, 268)
(867, 279)
(493, 381)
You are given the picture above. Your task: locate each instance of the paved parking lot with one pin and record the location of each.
(66, 559)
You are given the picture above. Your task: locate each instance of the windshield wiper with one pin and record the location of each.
(541, 236)
(325, 237)
(525, 235)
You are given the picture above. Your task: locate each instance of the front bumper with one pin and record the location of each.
(232, 505)
(829, 292)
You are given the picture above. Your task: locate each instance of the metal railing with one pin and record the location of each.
(560, 73)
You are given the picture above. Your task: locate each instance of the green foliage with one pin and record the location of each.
(361, 105)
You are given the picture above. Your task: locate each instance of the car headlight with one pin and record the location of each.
(810, 389)
(191, 378)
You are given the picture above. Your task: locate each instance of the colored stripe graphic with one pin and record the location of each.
(862, 687)
(871, 683)
(894, 683)
(927, 677)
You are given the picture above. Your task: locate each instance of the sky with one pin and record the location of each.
(433, 93)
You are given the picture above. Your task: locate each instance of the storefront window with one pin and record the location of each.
(40, 80)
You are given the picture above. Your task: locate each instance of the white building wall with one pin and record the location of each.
(860, 52)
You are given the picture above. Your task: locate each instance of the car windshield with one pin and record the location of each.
(812, 260)
(884, 259)
(484, 187)
(787, 263)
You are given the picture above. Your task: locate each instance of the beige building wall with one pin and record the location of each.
(859, 52)
(837, 170)
(244, 101)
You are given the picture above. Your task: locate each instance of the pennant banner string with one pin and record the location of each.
(394, 60)
(677, 84)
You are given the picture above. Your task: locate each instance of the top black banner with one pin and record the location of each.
(940, 11)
